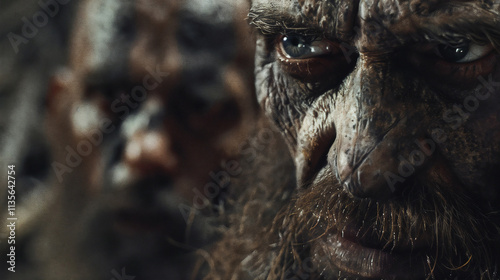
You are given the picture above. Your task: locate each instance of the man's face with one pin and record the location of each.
(390, 110)
(156, 100)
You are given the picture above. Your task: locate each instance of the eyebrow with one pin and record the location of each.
(485, 31)
(273, 22)
(270, 22)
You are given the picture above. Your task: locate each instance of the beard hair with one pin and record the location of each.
(271, 235)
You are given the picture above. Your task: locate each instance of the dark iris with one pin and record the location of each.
(296, 46)
(453, 54)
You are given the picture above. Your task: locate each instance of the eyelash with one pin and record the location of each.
(315, 73)
(458, 74)
(297, 58)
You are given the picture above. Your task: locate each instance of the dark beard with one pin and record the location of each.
(459, 233)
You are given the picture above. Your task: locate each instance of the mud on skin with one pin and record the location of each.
(390, 111)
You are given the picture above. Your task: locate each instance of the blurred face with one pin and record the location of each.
(152, 109)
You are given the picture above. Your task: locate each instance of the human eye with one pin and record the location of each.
(312, 58)
(464, 53)
(301, 47)
(457, 65)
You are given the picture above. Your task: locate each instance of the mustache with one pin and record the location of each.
(455, 233)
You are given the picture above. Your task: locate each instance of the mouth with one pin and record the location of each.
(411, 236)
(360, 249)
(133, 215)
(356, 256)
(141, 220)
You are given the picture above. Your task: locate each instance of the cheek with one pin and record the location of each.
(284, 100)
(473, 151)
(85, 118)
(84, 146)
(264, 67)
(88, 132)
(262, 83)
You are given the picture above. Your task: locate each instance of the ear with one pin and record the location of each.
(58, 90)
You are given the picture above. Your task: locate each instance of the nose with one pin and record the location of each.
(150, 152)
(149, 148)
(376, 133)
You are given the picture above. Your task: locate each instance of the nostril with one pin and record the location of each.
(362, 178)
(362, 186)
(117, 150)
(343, 167)
(352, 187)
(355, 184)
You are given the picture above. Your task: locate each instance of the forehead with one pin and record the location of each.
(97, 32)
(216, 10)
(109, 32)
(213, 11)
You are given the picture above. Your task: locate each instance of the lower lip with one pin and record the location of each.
(352, 258)
(133, 222)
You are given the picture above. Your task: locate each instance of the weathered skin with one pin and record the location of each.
(169, 87)
(384, 96)
(396, 145)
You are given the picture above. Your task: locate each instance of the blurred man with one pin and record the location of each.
(143, 126)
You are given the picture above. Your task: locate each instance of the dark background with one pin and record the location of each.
(25, 72)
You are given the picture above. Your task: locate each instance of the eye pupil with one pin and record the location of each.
(296, 46)
(294, 41)
(453, 54)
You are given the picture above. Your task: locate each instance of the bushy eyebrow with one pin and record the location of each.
(486, 31)
(272, 22)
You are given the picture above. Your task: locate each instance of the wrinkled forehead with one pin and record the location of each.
(108, 31)
(384, 9)
(212, 11)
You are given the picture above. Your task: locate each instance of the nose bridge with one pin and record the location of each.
(369, 115)
(154, 53)
(375, 97)
(382, 25)
(371, 110)
(149, 143)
